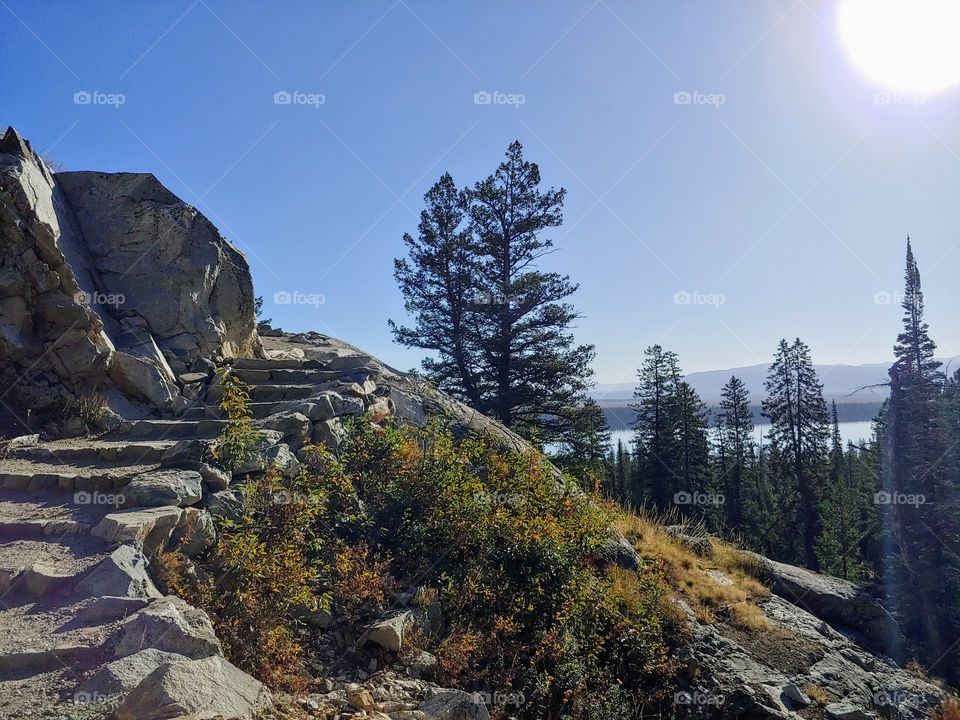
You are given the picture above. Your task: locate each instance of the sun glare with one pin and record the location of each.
(909, 45)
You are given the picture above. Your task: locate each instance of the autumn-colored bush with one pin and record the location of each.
(507, 548)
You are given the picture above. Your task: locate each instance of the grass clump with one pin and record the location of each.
(718, 583)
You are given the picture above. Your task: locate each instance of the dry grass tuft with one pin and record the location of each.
(820, 696)
(721, 584)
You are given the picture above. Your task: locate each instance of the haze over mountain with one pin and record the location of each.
(846, 384)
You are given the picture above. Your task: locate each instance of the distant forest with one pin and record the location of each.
(620, 416)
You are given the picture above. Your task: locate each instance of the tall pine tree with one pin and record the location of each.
(498, 325)
(921, 495)
(798, 430)
(735, 428)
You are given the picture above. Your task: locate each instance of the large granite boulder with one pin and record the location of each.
(110, 287)
(201, 304)
(839, 602)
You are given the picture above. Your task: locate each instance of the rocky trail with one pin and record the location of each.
(85, 632)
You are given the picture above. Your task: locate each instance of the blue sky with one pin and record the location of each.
(777, 200)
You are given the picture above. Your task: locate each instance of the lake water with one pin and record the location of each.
(855, 432)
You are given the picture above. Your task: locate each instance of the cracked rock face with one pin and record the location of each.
(179, 278)
(110, 284)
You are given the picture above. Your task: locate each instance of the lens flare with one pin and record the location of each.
(909, 45)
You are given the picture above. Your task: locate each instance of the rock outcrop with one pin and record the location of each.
(201, 304)
(111, 288)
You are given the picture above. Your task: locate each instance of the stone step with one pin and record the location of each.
(94, 452)
(22, 477)
(258, 410)
(178, 429)
(334, 362)
(48, 516)
(269, 393)
(285, 376)
(262, 364)
(21, 528)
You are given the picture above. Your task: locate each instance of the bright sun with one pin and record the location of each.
(909, 45)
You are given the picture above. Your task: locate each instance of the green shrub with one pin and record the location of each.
(239, 436)
(489, 534)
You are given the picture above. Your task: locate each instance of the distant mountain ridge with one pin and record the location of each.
(847, 384)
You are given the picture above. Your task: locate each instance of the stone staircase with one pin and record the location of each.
(74, 550)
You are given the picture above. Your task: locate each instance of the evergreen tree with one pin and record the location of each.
(438, 282)
(838, 547)
(499, 327)
(920, 494)
(654, 440)
(623, 471)
(798, 428)
(523, 325)
(736, 439)
(584, 449)
(670, 434)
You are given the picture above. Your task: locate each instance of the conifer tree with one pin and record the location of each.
(798, 429)
(838, 546)
(438, 282)
(499, 327)
(921, 496)
(654, 431)
(736, 436)
(670, 433)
